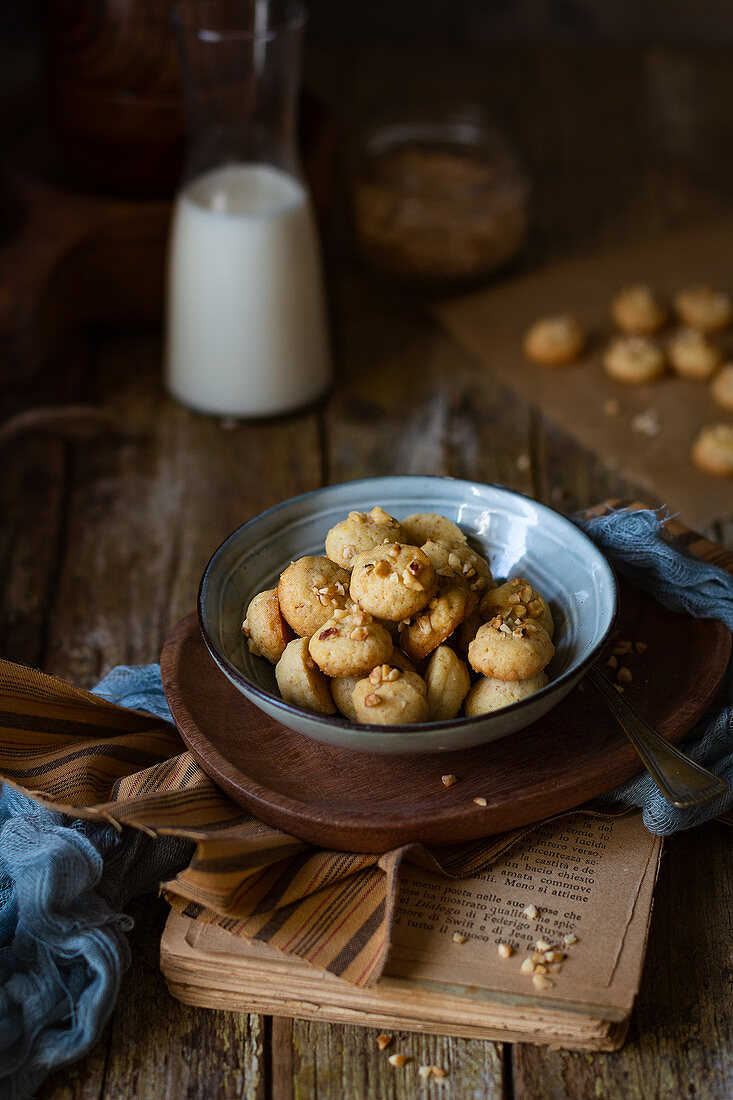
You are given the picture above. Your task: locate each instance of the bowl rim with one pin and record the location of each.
(340, 722)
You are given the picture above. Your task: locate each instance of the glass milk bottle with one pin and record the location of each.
(246, 323)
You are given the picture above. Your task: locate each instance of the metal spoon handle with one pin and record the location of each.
(681, 781)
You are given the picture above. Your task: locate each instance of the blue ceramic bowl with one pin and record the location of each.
(517, 535)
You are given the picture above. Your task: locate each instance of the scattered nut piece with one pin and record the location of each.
(542, 945)
(438, 1071)
(611, 406)
(505, 950)
(523, 463)
(398, 1059)
(641, 647)
(425, 1072)
(383, 1040)
(624, 675)
(541, 982)
(527, 966)
(531, 911)
(570, 939)
(612, 662)
(448, 780)
(619, 689)
(458, 937)
(480, 801)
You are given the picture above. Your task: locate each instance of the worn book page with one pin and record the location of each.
(587, 876)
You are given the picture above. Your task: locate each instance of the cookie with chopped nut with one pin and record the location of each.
(266, 631)
(435, 623)
(309, 591)
(422, 526)
(460, 560)
(350, 644)
(393, 581)
(301, 681)
(447, 679)
(637, 309)
(390, 697)
(554, 341)
(704, 308)
(489, 694)
(692, 355)
(634, 360)
(517, 599)
(359, 533)
(509, 649)
(712, 451)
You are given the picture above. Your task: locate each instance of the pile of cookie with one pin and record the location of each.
(400, 622)
(636, 356)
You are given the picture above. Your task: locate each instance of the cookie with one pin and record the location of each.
(447, 679)
(342, 690)
(460, 560)
(390, 697)
(554, 341)
(721, 386)
(510, 651)
(300, 680)
(266, 631)
(466, 632)
(421, 526)
(712, 451)
(490, 694)
(636, 309)
(393, 581)
(692, 355)
(309, 591)
(704, 308)
(633, 360)
(446, 610)
(517, 599)
(350, 644)
(359, 533)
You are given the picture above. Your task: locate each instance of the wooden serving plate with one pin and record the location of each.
(368, 803)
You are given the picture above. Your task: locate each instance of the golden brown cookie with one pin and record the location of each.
(692, 355)
(342, 690)
(712, 451)
(554, 341)
(350, 644)
(390, 697)
(300, 680)
(447, 679)
(461, 638)
(704, 308)
(309, 591)
(490, 694)
(510, 651)
(637, 309)
(266, 631)
(517, 599)
(359, 532)
(721, 387)
(421, 526)
(633, 360)
(435, 623)
(460, 560)
(393, 581)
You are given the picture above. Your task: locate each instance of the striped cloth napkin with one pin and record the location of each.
(126, 772)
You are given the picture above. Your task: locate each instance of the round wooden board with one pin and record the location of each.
(363, 802)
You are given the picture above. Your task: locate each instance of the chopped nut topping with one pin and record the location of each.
(624, 675)
(480, 801)
(383, 1040)
(392, 675)
(513, 598)
(448, 780)
(380, 516)
(414, 567)
(531, 911)
(357, 517)
(340, 613)
(458, 937)
(454, 561)
(359, 634)
(424, 624)
(348, 552)
(245, 628)
(372, 700)
(554, 956)
(375, 676)
(525, 593)
(382, 569)
(398, 1059)
(505, 950)
(520, 611)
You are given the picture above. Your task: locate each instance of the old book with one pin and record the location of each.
(589, 877)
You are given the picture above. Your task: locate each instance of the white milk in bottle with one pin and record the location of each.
(246, 319)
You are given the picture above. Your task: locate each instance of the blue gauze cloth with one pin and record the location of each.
(63, 883)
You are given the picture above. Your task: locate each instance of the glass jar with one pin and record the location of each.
(438, 198)
(246, 321)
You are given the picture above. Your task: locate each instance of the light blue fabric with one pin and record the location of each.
(63, 944)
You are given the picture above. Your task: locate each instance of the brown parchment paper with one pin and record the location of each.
(490, 324)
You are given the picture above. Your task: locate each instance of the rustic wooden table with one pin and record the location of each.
(104, 538)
